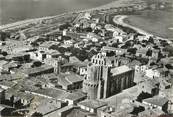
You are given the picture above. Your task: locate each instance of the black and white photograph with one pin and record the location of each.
(86, 58)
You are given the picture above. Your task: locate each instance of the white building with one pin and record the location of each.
(152, 73)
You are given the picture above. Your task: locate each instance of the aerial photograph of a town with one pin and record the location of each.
(86, 58)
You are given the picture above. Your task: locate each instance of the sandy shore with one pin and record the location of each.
(26, 22)
(119, 19)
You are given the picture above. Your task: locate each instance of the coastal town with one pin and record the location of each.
(86, 64)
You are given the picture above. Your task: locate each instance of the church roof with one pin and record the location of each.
(120, 70)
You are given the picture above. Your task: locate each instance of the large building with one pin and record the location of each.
(103, 80)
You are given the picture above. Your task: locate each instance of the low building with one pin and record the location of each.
(142, 53)
(151, 87)
(151, 113)
(46, 106)
(70, 81)
(151, 73)
(46, 46)
(6, 84)
(55, 63)
(158, 102)
(2, 95)
(135, 64)
(37, 70)
(118, 51)
(75, 98)
(18, 98)
(118, 39)
(77, 67)
(110, 111)
(93, 37)
(73, 59)
(2, 63)
(141, 68)
(68, 43)
(155, 53)
(53, 54)
(91, 105)
(22, 49)
(63, 112)
(10, 66)
(141, 38)
(38, 55)
(164, 84)
(21, 57)
(51, 93)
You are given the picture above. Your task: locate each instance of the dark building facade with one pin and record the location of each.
(103, 80)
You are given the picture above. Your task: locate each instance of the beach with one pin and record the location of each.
(119, 19)
(157, 22)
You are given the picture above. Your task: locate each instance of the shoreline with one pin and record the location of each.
(116, 3)
(119, 19)
(29, 21)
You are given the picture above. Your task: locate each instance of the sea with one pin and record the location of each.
(16, 10)
(156, 22)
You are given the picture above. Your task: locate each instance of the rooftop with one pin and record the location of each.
(93, 103)
(67, 79)
(57, 112)
(120, 70)
(49, 43)
(47, 105)
(160, 101)
(36, 69)
(52, 92)
(78, 64)
(142, 50)
(7, 83)
(76, 96)
(112, 48)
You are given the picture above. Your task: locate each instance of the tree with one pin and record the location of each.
(149, 53)
(79, 29)
(4, 53)
(34, 44)
(142, 96)
(115, 45)
(97, 31)
(4, 35)
(88, 29)
(65, 26)
(132, 50)
(37, 114)
(151, 40)
(169, 49)
(169, 66)
(111, 53)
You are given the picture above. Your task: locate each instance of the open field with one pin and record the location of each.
(157, 22)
